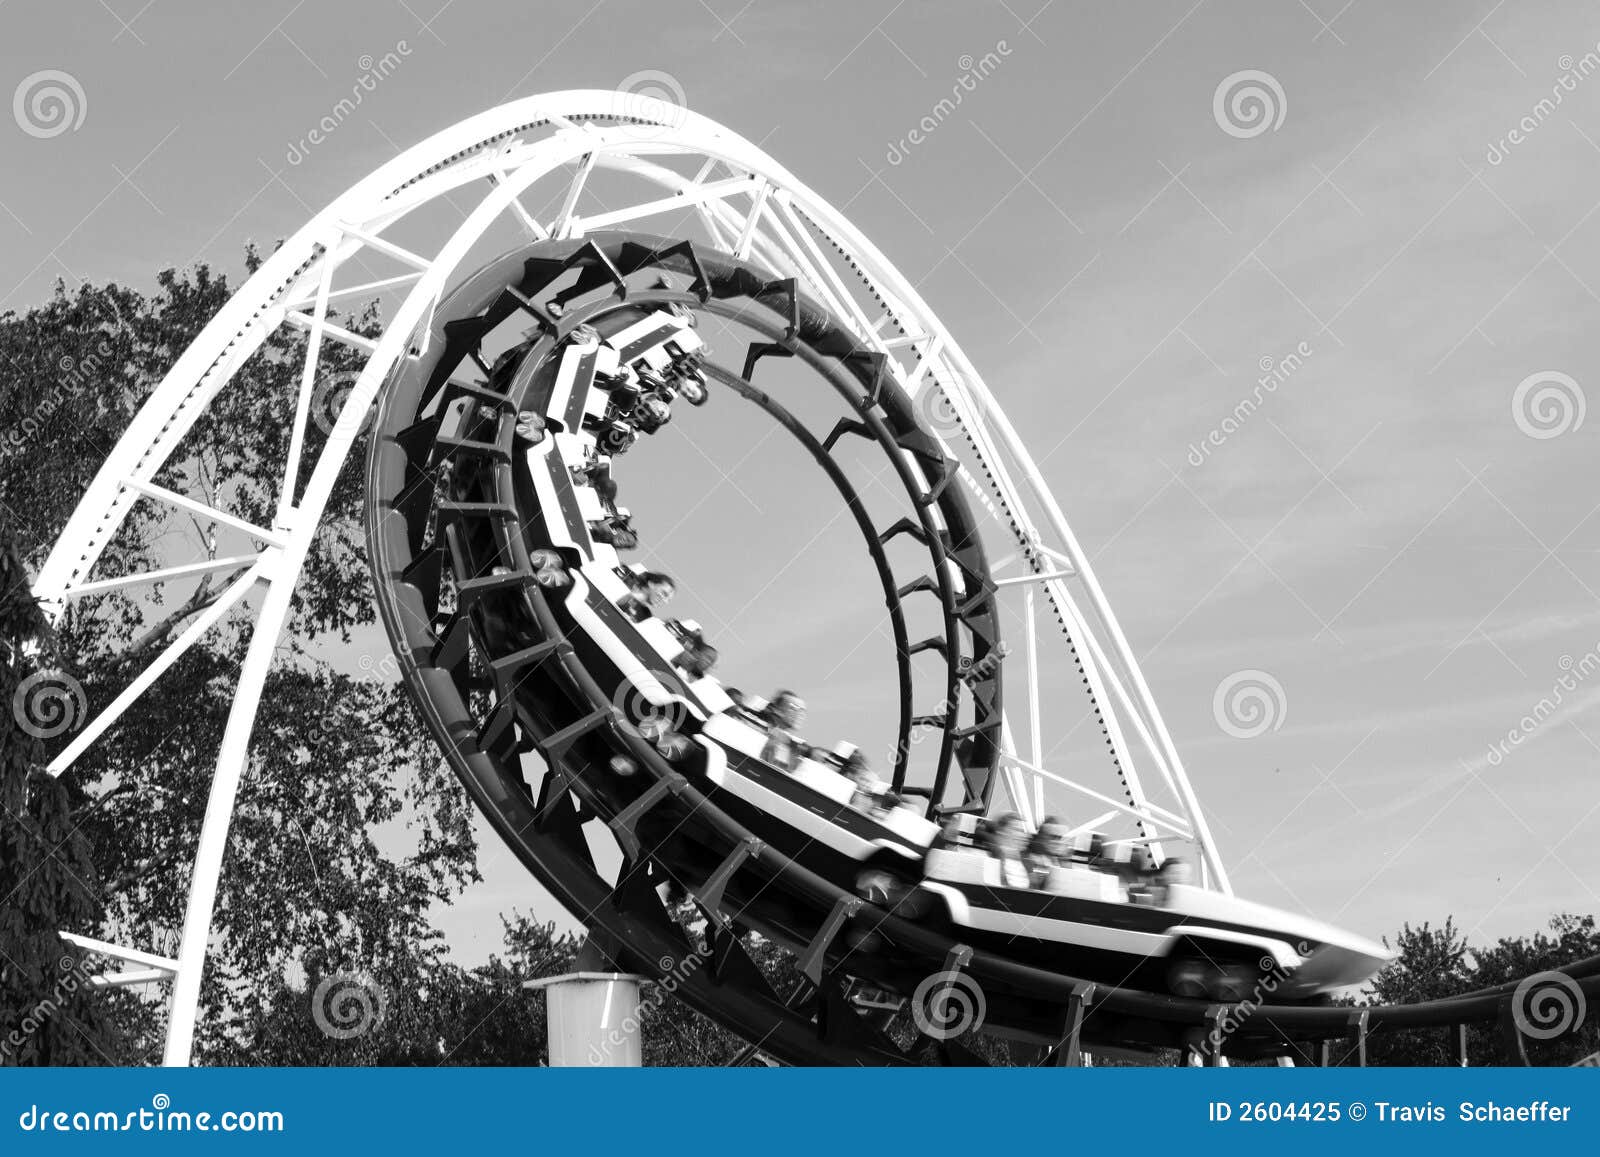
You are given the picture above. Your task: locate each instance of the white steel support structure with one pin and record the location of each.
(551, 150)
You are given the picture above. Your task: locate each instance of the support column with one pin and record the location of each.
(593, 1019)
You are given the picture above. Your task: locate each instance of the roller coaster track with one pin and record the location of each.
(518, 701)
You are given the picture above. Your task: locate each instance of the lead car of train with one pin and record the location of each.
(1103, 918)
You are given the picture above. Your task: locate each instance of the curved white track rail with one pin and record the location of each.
(744, 202)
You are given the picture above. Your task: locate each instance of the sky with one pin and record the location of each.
(1400, 533)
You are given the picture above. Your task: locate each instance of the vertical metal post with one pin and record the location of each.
(1069, 1053)
(592, 1019)
(1034, 722)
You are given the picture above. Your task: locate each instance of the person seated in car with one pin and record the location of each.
(783, 717)
(1095, 856)
(1006, 837)
(698, 657)
(653, 411)
(870, 789)
(1048, 849)
(616, 530)
(597, 473)
(648, 591)
(1174, 872)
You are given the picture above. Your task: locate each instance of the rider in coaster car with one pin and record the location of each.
(783, 717)
(1173, 872)
(596, 472)
(685, 378)
(1006, 836)
(622, 388)
(648, 590)
(653, 411)
(870, 789)
(698, 657)
(1048, 849)
(616, 530)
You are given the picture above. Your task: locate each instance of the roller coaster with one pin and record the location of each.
(536, 343)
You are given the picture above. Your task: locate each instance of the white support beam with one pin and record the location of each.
(849, 309)
(563, 227)
(197, 627)
(201, 510)
(758, 206)
(382, 285)
(1035, 720)
(498, 176)
(129, 978)
(382, 245)
(1030, 579)
(1094, 824)
(337, 332)
(928, 355)
(1148, 814)
(166, 574)
(303, 398)
(118, 952)
(718, 191)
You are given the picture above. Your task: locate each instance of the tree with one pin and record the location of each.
(347, 827)
(49, 1015)
(1435, 963)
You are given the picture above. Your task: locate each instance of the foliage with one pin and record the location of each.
(1436, 963)
(48, 1013)
(347, 827)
